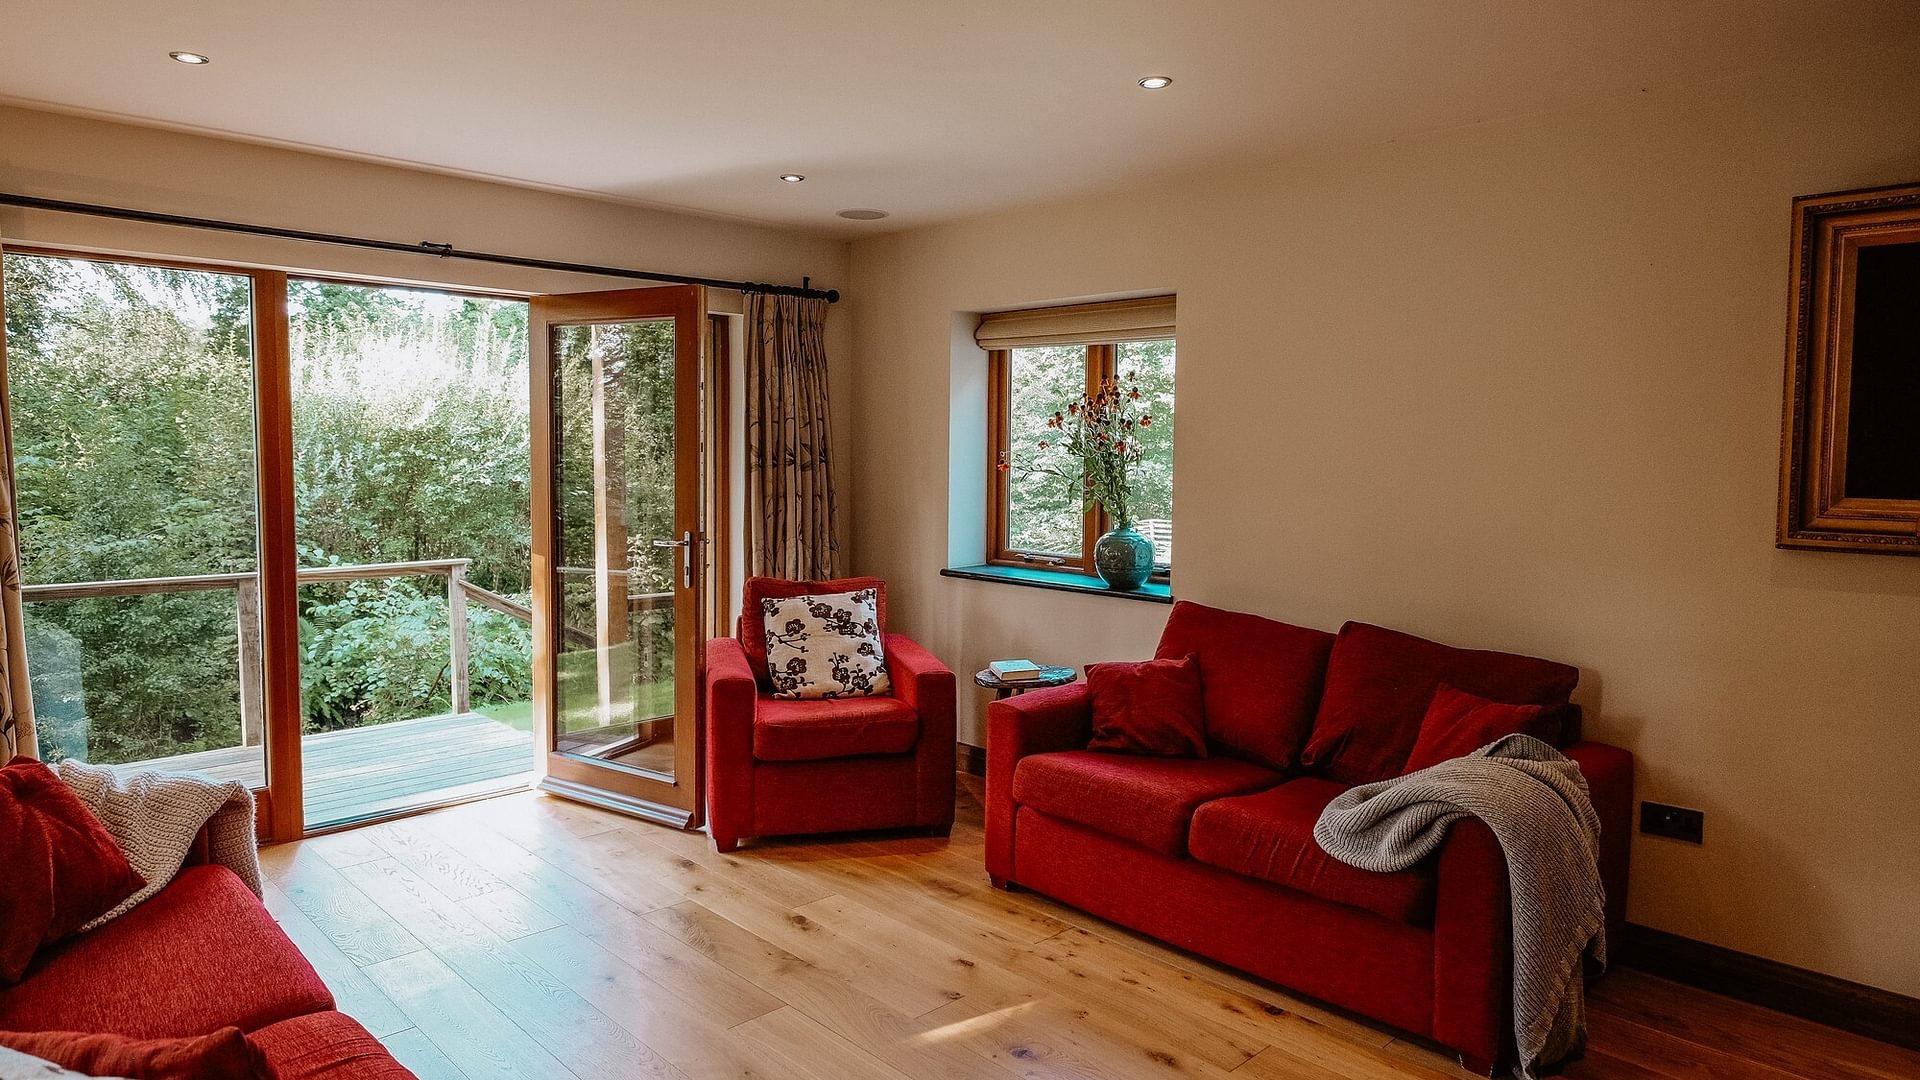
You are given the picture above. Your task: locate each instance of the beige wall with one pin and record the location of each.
(1513, 386)
(64, 157)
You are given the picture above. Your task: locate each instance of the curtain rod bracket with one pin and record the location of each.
(445, 251)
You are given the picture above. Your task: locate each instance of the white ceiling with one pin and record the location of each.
(928, 109)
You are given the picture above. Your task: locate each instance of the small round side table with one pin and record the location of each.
(1050, 675)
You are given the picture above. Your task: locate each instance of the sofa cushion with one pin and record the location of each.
(1269, 836)
(63, 869)
(1148, 800)
(1380, 682)
(1260, 679)
(752, 631)
(223, 1055)
(811, 730)
(1458, 723)
(326, 1046)
(1150, 707)
(199, 955)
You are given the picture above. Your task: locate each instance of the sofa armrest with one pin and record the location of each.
(731, 696)
(1473, 947)
(1473, 917)
(1609, 774)
(922, 681)
(1036, 722)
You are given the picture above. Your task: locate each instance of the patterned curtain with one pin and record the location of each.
(16, 694)
(789, 507)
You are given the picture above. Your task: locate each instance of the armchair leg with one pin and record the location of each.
(940, 830)
(724, 844)
(1002, 883)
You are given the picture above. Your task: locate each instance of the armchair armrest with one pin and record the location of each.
(922, 681)
(1036, 722)
(731, 696)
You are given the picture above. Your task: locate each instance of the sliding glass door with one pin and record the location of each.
(618, 554)
(364, 548)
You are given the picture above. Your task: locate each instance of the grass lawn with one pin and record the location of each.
(577, 675)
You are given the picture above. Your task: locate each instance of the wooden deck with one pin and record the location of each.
(365, 772)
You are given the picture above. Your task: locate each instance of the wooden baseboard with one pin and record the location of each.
(1849, 1006)
(971, 760)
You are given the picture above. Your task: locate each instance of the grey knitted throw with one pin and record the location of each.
(1535, 801)
(156, 816)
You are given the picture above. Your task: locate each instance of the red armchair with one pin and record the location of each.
(777, 768)
(1215, 855)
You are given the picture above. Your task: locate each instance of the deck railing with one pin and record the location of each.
(246, 605)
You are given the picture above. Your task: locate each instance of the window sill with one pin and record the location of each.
(1153, 592)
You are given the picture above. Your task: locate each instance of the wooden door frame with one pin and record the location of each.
(678, 803)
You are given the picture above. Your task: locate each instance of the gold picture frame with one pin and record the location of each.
(1850, 431)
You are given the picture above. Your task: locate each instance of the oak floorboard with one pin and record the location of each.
(464, 1024)
(884, 1031)
(527, 936)
(362, 932)
(419, 1054)
(353, 993)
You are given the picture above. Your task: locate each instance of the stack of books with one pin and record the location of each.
(1013, 671)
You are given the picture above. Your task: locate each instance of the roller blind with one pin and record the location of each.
(1146, 319)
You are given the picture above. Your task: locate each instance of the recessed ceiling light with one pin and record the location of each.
(863, 214)
(1156, 82)
(193, 58)
(792, 177)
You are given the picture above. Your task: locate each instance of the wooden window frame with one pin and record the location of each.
(1101, 365)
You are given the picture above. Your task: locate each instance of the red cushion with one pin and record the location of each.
(1380, 682)
(1270, 836)
(1458, 723)
(1150, 707)
(751, 629)
(326, 1046)
(63, 869)
(843, 727)
(1148, 800)
(200, 955)
(1260, 679)
(223, 1055)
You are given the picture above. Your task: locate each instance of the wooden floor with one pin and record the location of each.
(526, 936)
(369, 771)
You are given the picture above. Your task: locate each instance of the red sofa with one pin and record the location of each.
(777, 768)
(1216, 855)
(200, 955)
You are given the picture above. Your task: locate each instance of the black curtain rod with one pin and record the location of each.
(444, 251)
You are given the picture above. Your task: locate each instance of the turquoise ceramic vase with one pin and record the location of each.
(1123, 558)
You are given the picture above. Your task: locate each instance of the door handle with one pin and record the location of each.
(685, 544)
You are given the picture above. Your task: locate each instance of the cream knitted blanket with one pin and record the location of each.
(154, 817)
(1535, 801)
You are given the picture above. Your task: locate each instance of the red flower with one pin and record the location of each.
(1073, 408)
(1133, 395)
(1121, 446)
(1147, 420)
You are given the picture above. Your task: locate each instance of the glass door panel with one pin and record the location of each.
(620, 502)
(132, 405)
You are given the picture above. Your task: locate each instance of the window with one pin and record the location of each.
(1035, 515)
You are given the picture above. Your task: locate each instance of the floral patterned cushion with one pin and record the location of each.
(825, 646)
